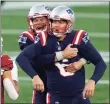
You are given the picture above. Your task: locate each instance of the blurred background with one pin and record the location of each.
(93, 17)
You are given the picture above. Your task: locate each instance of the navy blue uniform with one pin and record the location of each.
(27, 38)
(63, 84)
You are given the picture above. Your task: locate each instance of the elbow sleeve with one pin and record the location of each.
(10, 89)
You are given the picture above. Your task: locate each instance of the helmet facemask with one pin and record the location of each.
(38, 21)
(67, 29)
(39, 11)
(36, 28)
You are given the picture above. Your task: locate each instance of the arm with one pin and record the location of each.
(24, 41)
(26, 55)
(9, 75)
(67, 53)
(10, 85)
(23, 59)
(87, 50)
(75, 66)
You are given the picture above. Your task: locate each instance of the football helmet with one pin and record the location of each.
(38, 11)
(63, 13)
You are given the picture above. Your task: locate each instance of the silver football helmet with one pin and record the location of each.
(65, 13)
(38, 10)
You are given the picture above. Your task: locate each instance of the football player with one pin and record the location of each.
(9, 77)
(38, 22)
(65, 87)
(69, 88)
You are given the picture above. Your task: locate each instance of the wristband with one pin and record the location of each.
(59, 55)
(83, 60)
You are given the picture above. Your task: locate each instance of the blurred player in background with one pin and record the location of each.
(39, 28)
(65, 87)
(9, 77)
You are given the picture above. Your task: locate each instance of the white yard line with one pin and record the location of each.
(19, 31)
(78, 15)
(27, 5)
(18, 5)
(92, 15)
(21, 78)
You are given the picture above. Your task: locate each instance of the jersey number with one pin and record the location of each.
(62, 70)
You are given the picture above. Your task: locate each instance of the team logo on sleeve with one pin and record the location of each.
(69, 11)
(36, 39)
(85, 38)
(22, 39)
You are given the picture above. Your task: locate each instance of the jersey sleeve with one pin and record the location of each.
(24, 41)
(47, 59)
(89, 52)
(23, 59)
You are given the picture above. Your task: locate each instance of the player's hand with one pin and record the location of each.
(73, 67)
(89, 89)
(37, 83)
(6, 63)
(69, 52)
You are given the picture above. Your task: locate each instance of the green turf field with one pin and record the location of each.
(13, 20)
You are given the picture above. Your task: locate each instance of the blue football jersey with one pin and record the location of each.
(58, 80)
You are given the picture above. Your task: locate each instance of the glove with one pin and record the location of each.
(6, 63)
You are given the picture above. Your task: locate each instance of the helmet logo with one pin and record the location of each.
(69, 11)
(47, 8)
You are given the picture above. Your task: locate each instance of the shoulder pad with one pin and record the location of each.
(29, 35)
(78, 37)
